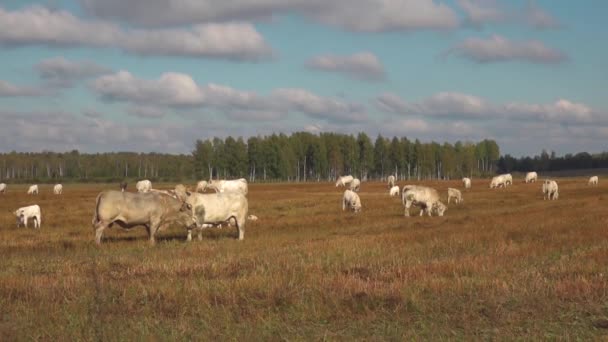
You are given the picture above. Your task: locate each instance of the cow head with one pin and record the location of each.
(440, 208)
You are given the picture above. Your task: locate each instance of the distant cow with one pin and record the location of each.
(550, 190)
(424, 197)
(236, 185)
(58, 189)
(351, 200)
(33, 190)
(25, 213)
(355, 185)
(201, 186)
(153, 210)
(210, 210)
(593, 180)
(498, 181)
(455, 194)
(394, 191)
(391, 181)
(531, 177)
(123, 186)
(344, 180)
(2, 188)
(143, 185)
(466, 182)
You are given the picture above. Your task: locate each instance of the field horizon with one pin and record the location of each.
(505, 264)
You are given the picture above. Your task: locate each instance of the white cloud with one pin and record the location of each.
(61, 71)
(362, 65)
(538, 18)
(37, 25)
(458, 106)
(480, 12)
(147, 112)
(179, 90)
(10, 90)
(500, 49)
(354, 15)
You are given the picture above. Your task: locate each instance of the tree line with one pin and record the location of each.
(301, 156)
(550, 162)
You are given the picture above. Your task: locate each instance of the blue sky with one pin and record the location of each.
(155, 75)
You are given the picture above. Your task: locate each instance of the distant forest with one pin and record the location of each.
(297, 157)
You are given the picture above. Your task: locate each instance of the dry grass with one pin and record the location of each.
(503, 265)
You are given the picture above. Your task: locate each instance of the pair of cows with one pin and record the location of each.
(157, 209)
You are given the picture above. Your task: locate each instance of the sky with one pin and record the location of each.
(155, 75)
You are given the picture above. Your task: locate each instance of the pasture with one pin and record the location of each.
(503, 265)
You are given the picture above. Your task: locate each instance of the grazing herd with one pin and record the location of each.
(156, 209)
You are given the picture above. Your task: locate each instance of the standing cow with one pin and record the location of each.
(2, 188)
(550, 190)
(58, 189)
(593, 180)
(394, 191)
(454, 194)
(236, 185)
(351, 200)
(153, 210)
(424, 197)
(531, 177)
(466, 182)
(210, 210)
(344, 180)
(33, 190)
(143, 186)
(23, 214)
(355, 185)
(391, 181)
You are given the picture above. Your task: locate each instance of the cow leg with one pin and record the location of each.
(240, 226)
(189, 238)
(408, 204)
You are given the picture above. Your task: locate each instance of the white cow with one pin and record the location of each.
(593, 180)
(466, 182)
(550, 190)
(351, 200)
(211, 210)
(344, 180)
(201, 186)
(58, 189)
(143, 186)
(391, 181)
(498, 181)
(2, 188)
(394, 191)
(23, 214)
(424, 197)
(531, 177)
(33, 190)
(455, 194)
(236, 185)
(355, 185)
(508, 179)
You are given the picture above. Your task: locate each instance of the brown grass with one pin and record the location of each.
(503, 265)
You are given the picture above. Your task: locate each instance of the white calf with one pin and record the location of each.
(23, 214)
(593, 180)
(550, 190)
(143, 186)
(344, 180)
(355, 185)
(531, 177)
(58, 189)
(2, 188)
(351, 201)
(394, 191)
(466, 182)
(455, 194)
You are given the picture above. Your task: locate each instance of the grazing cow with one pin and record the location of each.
(466, 182)
(25, 213)
(2, 188)
(236, 185)
(123, 186)
(153, 210)
(531, 177)
(143, 186)
(355, 185)
(58, 189)
(424, 197)
(391, 181)
(593, 180)
(210, 210)
(394, 191)
(498, 181)
(344, 180)
(351, 200)
(550, 190)
(455, 194)
(33, 190)
(508, 179)
(201, 186)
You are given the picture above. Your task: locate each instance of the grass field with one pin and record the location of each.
(503, 265)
